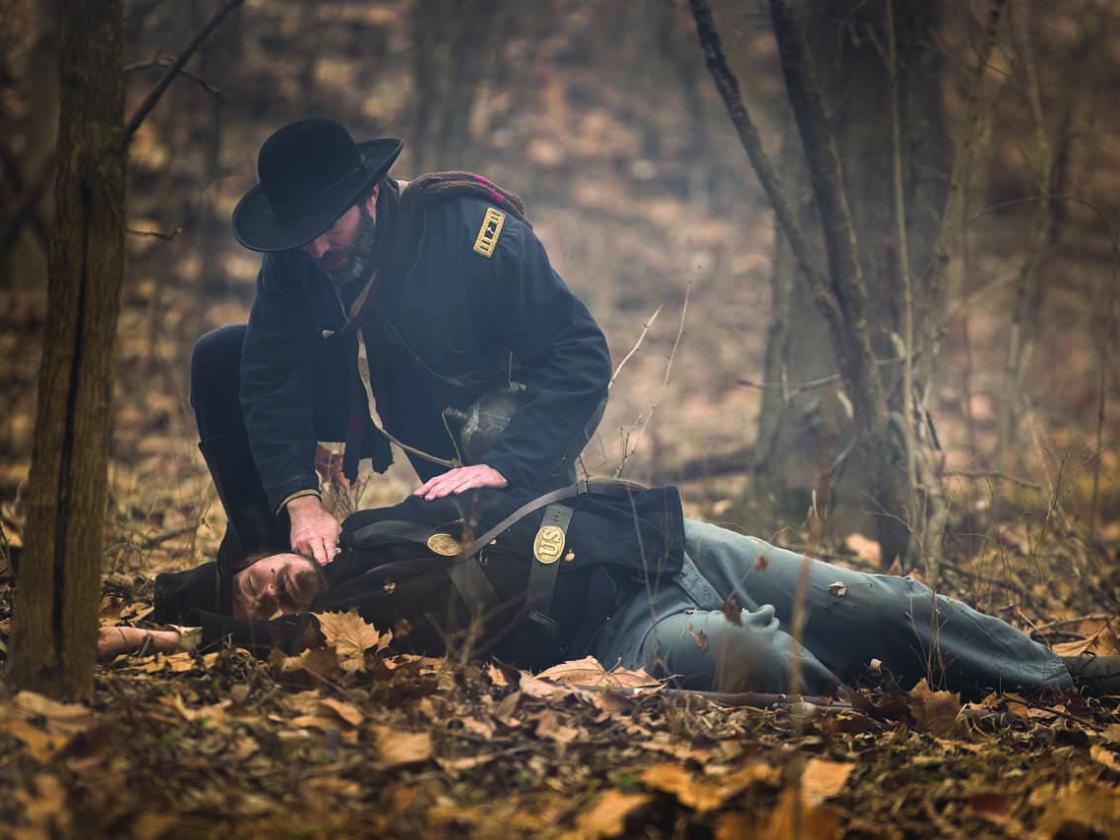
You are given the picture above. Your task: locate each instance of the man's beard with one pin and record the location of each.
(349, 276)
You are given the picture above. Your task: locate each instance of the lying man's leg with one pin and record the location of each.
(705, 650)
(853, 618)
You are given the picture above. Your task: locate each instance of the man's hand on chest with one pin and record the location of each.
(459, 480)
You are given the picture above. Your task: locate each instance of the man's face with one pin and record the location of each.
(274, 584)
(343, 250)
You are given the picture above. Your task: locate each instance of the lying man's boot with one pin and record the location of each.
(1095, 675)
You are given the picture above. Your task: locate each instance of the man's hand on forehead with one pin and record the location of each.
(314, 531)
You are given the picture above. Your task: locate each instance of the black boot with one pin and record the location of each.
(1095, 675)
(253, 527)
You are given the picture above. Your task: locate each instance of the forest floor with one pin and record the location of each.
(354, 741)
(358, 742)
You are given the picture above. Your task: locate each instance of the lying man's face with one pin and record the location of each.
(277, 584)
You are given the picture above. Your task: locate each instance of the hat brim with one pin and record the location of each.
(257, 228)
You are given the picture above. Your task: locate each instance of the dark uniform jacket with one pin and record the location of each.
(443, 320)
(391, 572)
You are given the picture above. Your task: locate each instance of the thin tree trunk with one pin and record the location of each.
(55, 615)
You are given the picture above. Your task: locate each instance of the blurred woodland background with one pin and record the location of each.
(603, 117)
(983, 455)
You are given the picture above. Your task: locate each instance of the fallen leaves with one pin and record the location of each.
(1105, 756)
(350, 637)
(704, 795)
(590, 672)
(397, 749)
(936, 712)
(45, 727)
(606, 815)
(1079, 805)
(822, 779)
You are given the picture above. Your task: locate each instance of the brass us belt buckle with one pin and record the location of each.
(444, 545)
(549, 544)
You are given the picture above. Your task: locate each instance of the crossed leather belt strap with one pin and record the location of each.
(470, 580)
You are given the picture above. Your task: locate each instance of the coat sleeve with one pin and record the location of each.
(560, 352)
(289, 634)
(277, 380)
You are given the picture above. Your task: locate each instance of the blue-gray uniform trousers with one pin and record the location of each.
(857, 626)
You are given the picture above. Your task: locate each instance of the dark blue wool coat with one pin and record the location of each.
(443, 322)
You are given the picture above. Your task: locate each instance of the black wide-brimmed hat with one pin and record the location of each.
(311, 172)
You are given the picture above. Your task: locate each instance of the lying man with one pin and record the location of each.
(615, 571)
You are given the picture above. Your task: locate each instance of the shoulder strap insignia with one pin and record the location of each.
(488, 234)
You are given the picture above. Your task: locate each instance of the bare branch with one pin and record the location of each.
(680, 332)
(637, 344)
(728, 86)
(852, 341)
(175, 68)
(164, 63)
(954, 201)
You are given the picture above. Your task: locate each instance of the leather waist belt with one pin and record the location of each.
(607, 487)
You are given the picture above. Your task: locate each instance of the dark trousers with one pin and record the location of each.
(852, 618)
(215, 383)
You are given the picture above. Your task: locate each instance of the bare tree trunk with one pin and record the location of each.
(453, 43)
(55, 615)
(806, 436)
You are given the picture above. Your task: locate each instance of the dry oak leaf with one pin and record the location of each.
(606, 816)
(823, 778)
(317, 663)
(935, 711)
(590, 672)
(1100, 639)
(398, 748)
(702, 795)
(351, 636)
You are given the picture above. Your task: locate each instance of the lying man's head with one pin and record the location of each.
(268, 584)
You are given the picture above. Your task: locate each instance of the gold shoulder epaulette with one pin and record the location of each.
(488, 234)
